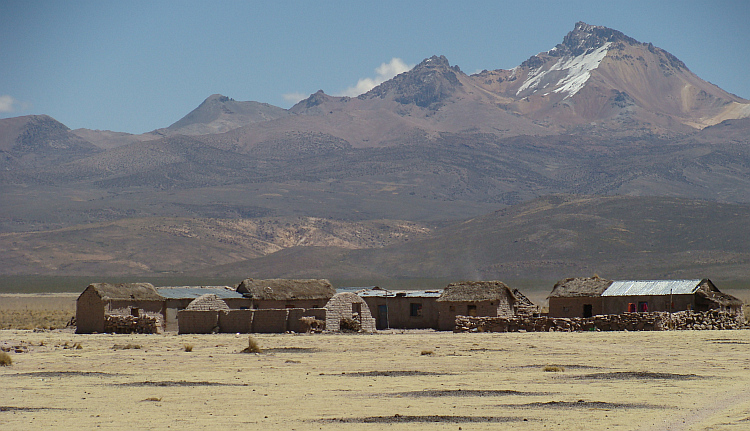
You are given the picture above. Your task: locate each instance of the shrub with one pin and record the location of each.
(126, 346)
(188, 347)
(553, 369)
(252, 346)
(349, 325)
(5, 359)
(427, 353)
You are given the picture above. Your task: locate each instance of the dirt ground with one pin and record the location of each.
(414, 380)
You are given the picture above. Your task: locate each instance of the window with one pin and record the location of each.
(643, 307)
(357, 308)
(471, 310)
(415, 309)
(135, 312)
(588, 310)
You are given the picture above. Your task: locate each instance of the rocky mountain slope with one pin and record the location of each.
(600, 115)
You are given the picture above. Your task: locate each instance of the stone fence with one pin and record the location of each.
(655, 321)
(127, 324)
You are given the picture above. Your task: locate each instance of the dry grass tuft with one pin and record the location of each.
(252, 346)
(155, 399)
(188, 347)
(126, 346)
(427, 353)
(5, 359)
(553, 369)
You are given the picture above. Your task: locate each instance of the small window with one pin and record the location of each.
(357, 308)
(289, 306)
(471, 310)
(643, 307)
(135, 312)
(452, 308)
(415, 309)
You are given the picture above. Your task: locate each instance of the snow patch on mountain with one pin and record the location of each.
(577, 71)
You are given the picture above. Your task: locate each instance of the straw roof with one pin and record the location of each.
(580, 286)
(521, 299)
(285, 290)
(475, 291)
(207, 302)
(720, 298)
(126, 291)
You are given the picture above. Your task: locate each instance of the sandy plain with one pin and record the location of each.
(411, 380)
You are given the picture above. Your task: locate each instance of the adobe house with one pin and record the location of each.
(402, 309)
(577, 297)
(667, 295)
(480, 298)
(124, 299)
(347, 305)
(178, 298)
(283, 293)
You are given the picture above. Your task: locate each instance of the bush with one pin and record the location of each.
(5, 359)
(553, 369)
(252, 346)
(427, 353)
(126, 346)
(188, 347)
(349, 325)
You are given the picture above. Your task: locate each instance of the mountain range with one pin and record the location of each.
(417, 177)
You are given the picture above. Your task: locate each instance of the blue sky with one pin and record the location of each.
(134, 66)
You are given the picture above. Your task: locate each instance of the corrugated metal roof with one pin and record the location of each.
(192, 292)
(400, 293)
(651, 287)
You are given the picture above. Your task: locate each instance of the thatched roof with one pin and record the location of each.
(475, 291)
(207, 302)
(580, 286)
(126, 291)
(720, 298)
(285, 290)
(521, 299)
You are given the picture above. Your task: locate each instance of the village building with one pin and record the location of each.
(402, 309)
(178, 298)
(480, 298)
(577, 297)
(201, 316)
(283, 293)
(667, 295)
(348, 309)
(101, 300)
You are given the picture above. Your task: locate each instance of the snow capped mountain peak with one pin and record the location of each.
(568, 75)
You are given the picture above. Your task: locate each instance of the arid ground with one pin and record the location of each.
(404, 380)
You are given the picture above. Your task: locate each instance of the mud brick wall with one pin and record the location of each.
(197, 321)
(236, 321)
(127, 324)
(656, 321)
(269, 320)
(293, 318)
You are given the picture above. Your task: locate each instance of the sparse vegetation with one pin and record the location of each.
(553, 369)
(155, 399)
(34, 319)
(188, 347)
(126, 346)
(427, 353)
(5, 359)
(252, 346)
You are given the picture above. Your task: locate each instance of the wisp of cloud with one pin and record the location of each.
(383, 72)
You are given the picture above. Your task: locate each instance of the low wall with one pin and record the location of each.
(656, 321)
(127, 324)
(197, 321)
(270, 320)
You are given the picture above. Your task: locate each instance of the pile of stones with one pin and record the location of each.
(656, 321)
(127, 324)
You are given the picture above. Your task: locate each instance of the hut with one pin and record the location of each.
(402, 309)
(667, 295)
(101, 300)
(283, 293)
(478, 298)
(577, 297)
(346, 308)
(177, 298)
(201, 316)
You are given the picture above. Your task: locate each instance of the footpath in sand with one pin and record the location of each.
(415, 380)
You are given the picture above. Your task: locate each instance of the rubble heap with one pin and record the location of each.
(655, 321)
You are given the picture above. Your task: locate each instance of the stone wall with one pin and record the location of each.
(126, 324)
(246, 321)
(656, 321)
